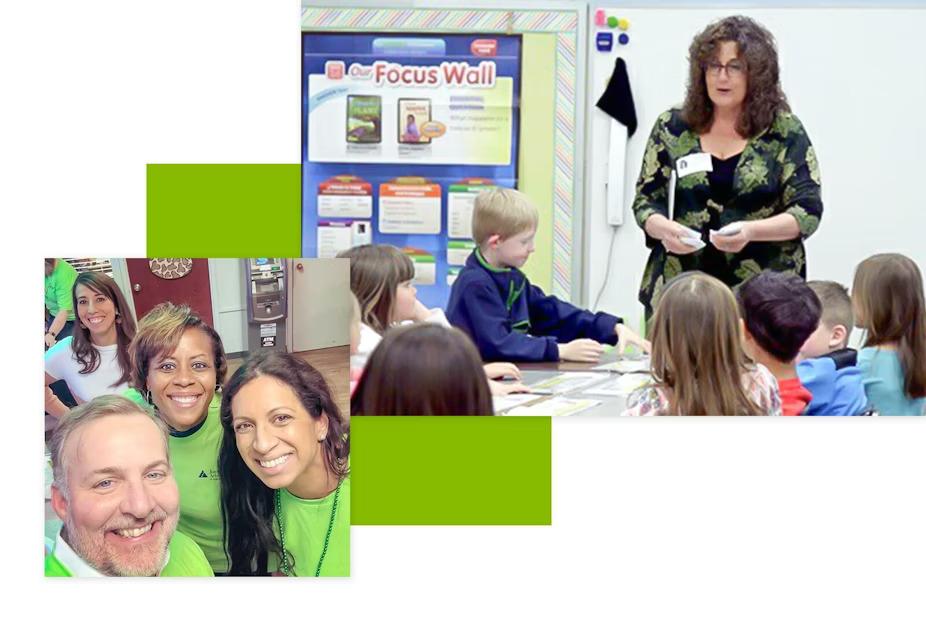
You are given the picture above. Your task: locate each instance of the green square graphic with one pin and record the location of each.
(450, 470)
(404, 470)
(224, 202)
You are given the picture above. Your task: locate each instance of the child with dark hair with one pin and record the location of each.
(780, 312)
(448, 379)
(827, 366)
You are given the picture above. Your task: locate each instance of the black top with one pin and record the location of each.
(721, 179)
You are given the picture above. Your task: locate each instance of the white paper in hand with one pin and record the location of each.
(730, 229)
(692, 238)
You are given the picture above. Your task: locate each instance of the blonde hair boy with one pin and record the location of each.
(503, 212)
(508, 318)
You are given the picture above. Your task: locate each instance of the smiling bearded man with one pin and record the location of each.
(115, 492)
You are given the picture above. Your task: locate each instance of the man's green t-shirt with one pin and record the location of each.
(305, 523)
(58, 287)
(194, 457)
(186, 560)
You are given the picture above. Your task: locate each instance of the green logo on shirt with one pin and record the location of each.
(202, 474)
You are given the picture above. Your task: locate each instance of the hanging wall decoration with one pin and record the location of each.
(170, 268)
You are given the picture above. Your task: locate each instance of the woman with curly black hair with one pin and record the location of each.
(284, 471)
(747, 183)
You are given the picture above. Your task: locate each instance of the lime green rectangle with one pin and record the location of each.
(211, 210)
(405, 470)
(450, 470)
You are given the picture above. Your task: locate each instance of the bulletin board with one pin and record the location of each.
(401, 133)
(543, 145)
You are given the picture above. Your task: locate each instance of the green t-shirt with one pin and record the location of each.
(58, 287)
(305, 523)
(195, 460)
(186, 560)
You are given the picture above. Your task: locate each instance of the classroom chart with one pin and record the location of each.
(400, 133)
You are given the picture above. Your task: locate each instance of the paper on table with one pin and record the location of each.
(567, 381)
(506, 402)
(620, 386)
(557, 406)
(626, 365)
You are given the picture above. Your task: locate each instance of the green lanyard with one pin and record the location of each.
(285, 567)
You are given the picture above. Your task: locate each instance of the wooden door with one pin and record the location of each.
(187, 284)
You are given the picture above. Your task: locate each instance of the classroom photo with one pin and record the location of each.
(682, 220)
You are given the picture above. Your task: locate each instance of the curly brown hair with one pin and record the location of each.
(764, 96)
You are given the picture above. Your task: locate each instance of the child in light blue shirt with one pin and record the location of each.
(883, 381)
(887, 297)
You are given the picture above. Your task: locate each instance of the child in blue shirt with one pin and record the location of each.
(887, 296)
(827, 366)
(508, 318)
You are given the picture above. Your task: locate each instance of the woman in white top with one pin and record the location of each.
(381, 279)
(94, 360)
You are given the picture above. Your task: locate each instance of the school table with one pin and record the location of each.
(535, 373)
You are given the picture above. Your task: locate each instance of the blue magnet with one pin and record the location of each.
(604, 41)
(623, 39)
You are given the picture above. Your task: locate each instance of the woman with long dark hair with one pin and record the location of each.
(284, 471)
(94, 360)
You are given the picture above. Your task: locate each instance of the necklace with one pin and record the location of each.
(285, 567)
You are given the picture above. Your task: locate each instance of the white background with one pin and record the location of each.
(655, 517)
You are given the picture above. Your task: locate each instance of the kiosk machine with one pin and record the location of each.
(266, 298)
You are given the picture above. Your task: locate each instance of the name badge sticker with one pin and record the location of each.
(693, 163)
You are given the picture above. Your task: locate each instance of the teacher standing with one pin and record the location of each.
(739, 156)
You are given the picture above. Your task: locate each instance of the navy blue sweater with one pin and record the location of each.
(509, 319)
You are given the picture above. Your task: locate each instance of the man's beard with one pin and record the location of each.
(141, 561)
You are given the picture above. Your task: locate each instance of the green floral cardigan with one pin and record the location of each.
(777, 172)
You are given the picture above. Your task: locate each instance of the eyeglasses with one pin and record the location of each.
(734, 68)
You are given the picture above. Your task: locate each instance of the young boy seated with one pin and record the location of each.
(508, 318)
(780, 312)
(827, 365)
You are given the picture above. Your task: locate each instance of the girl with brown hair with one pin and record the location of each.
(748, 185)
(699, 367)
(381, 279)
(94, 360)
(887, 298)
(423, 370)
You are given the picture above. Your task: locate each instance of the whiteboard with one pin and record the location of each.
(855, 77)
